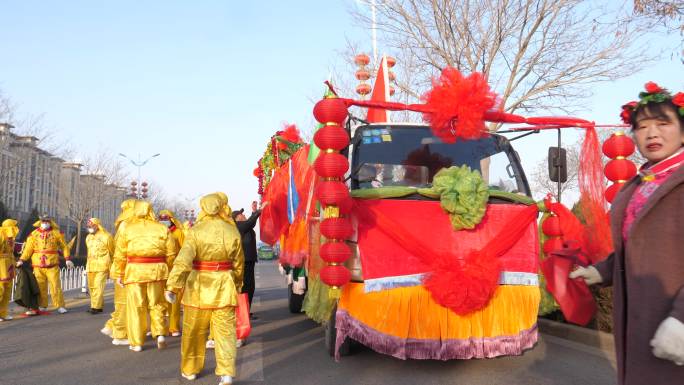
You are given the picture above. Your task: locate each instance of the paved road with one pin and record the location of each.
(284, 349)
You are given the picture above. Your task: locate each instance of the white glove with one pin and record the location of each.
(281, 269)
(668, 342)
(589, 274)
(299, 286)
(170, 296)
(19, 263)
(70, 265)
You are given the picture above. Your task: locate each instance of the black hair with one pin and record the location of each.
(655, 110)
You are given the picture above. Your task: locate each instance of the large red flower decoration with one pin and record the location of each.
(627, 109)
(653, 88)
(678, 99)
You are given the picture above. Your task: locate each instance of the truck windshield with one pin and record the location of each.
(411, 156)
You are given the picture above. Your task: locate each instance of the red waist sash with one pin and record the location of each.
(146, 259)
(212, 265)
(47, 266)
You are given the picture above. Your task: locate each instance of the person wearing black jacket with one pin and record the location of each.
(246, 227)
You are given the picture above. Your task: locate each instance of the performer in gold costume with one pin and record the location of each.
(100, 246)
(42, 248)
(116, 325)
(211, 274)
(167, 218)
(143, 249)
(8, 231)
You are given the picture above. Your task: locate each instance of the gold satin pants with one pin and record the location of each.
(5, 293)
(196, 324)
(49, 276)
(96, 285)
(174, 310)
(117, 323)
(143, 299)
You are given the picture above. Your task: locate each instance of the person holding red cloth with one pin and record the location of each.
(646, 268)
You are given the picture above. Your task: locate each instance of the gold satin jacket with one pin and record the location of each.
(141, 237)
(8, 231)
(42, 247)
(212, 240)
(100, 251)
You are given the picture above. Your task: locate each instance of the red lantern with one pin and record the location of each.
(391, 61)
(620, 169)
(551, 227)
(331, 192)
(391, 75)
(335, 275)
(618, 144)
(391, 90)
(362, 74)
(330, 110)
(336, 228)
(612, 190)
(552, 244)
(331, 137)
(335, 252)
(345, 205)
(363, 89)
(361, 59)
(331, 165)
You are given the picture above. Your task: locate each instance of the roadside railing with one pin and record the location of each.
(71, 278)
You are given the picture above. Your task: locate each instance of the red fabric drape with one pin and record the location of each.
(407, 237)
(573, 296)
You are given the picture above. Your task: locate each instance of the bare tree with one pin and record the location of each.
(96, 186)
(668, 13)
(538, 54)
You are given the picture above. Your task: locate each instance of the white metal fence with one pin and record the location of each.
(72, 279)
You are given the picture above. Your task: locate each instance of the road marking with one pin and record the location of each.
(250, 361)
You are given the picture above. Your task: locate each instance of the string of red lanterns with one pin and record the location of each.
(363, 74)
(554, 235)
(619, 169)
(332, 192)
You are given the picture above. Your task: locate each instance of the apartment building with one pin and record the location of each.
(31, 177)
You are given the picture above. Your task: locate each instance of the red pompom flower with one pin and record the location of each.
(457, 105)
(627, 109)
(653, 88)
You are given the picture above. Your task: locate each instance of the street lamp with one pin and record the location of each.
(139, 163)
(142, 192)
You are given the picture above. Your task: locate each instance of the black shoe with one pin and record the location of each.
(253, 317)
(94, 311)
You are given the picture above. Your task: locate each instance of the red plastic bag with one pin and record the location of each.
(242, 315)
(573, 295)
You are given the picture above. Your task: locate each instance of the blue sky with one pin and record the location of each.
(204, 83)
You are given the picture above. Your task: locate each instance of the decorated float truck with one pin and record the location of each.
(385, 306)
(421, 241)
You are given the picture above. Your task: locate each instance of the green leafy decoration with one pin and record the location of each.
(463, 194)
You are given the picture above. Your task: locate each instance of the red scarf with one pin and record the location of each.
(648, 172)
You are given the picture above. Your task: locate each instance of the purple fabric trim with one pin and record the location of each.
(454, 349)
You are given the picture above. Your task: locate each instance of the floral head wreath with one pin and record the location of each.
(653, 94)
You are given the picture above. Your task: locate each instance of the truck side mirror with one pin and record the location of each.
(558, 164)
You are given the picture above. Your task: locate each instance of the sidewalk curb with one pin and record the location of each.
(594, 338)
